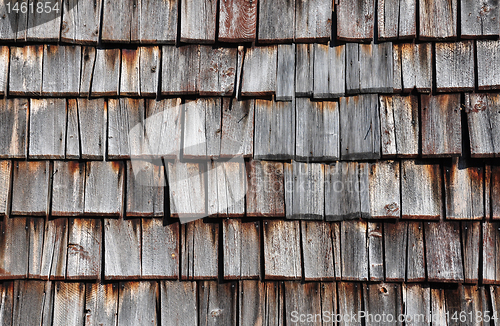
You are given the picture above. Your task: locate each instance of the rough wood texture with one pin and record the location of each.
(438, 19)
(54, 257)
(226, 188)
(354, 251)
(329, 71)
(479, 19)
(149, 73)
(396, 19)
(129, 75)
(145, 189)
(217, 303)
(104, 188)
(266, 191)
(7, 299)
(101, 304)
(483, 118)
(383, 298)
(179, 304)
(305, 298)
(415, 270)
(137, 303)
(72, 131)
(30, 191)
(218, 68)
(359, 127)
(158, 21)
(375, 246)
(313, 20)
(471, 242)
(47, 139)
(14, 248)
(304, 190)
(92, 119)
(421, 196)
(198, 21)
(464, 191)
(416, 66)
(61, 70)
(68, 182)
(120, 22)
(160, 249)
(488, 56)
(81, 21)
(106, 73)
(199, 250)
(276, 21)
(84, 249)
(492, 191)
(87, 70)
(379, 58)
(14, 121)
(490, 250)
(259, 71)
(122, 249)
(241, 249)
(350, 300)
(417, 302)
(29, 302)
(46, 27)
(384, 185)
(180, 69)
(285, 72)
(237, 21)
(261, 303)
(69, 304)
(395, 251)
(455, 66)
(443, 252)
(5, 187)
(274, 137)
(317, 248)
(125, 128)
(355, 20)
(441, 125)
(4, 68)
(237, 128)
(282, 259)
(25, 77)
(304, 69)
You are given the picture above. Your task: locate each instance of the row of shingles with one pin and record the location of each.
(245, 303)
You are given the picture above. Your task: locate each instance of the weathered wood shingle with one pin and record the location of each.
(199, 250)
(479, 19)
(355, 20)
(237, 20)
(180, 69)
(122, 238)
(160, 249)
(25, 76)
(106, 73)
(68, 188)
(455, 66)
(120, 21)
(198, 21)
(282, 259)
(47, 138)
(276, 21)
(81, 21)
(488, 55)
(259, 71)
(438, 19)
(14, 115)
(396, 19)
(329, 71)
(265, 194)
(158, 21)
(104, 193)
(30, 190)
(61, 70)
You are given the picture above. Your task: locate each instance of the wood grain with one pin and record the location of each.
(145, 189)
(276, 21)
(160, 249)
(355, 20)
(129, 74)
(5, 187)
(237, 128)
(226, 188)
(488, 53)
(237, 21)
(438, 19)
(158, 21)
(106, 72)
(120, 21)
(14, 248)
(81, 21)
(69, 304)
(317, 249)
(259, 71)
(54, 257)
(14, 115)
(61, 70)
(198, 21)
(384, 187)
(265, 189)
(30, 190)
(455, 66)
(137, 303)
(180, 70)
(282, 259)
(416, 62)
(25, 74)
(101, 304)
(354, 251)
(313, 20)
(92, 116)
(122, 249)
(176, 299)
(68, 184)
(329, 71)
(84, 249)
(125, 128)
(104, 188)
(218, 303)
(479, 19)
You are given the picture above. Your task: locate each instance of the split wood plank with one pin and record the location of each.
(199, 250)
(81, 21)
(329, 298)
(14, 115)
(48, 119)
(69, 304)
(266, 190)
(120, 21)
(479, 19)
(397, 56)
(198, 21)
(237, 21)
(354, 251)
(483, 118)
(417, 302)
(276, 21)
(261, 303)
(84, 249)
(55, 244)
(304, 69)
(303, 297)
(36, 237)
(46, 27)
(274, 137)
(104, 183)
(441, 125)
(336, 249)
(145, 189)
(490, 251)
(7, 300)
(471, 242)
(352, 68)
(259, 69)
(122, 249)
(384, 185)
(421, 196)
(137, 303)
(226, 188)
(443, 250)
(129, 75)
(317, 131)
(87, 70)
(399, 123)
(61, 70)
(180, 70)
(282, 258)
(68, 183)
(415, 270)
(488, 55)
(14, 247)
(202, 128)
(375, 243)
(11, 25)
(158, 21)
(304, 190)
(383, 298)
(72, 131)
(218, 303)
(455, 66)
(237, 128)
(4, 67)
(18, 25)
(179, 305)
(149, 68)
(160, 249)
(396, 19)
(317, 249)
(29, 297)
(395, 251)
(464, 191)
(329, 71)
(101, 304)
(218, 68)
(106, 72)
(376, 57)
(241, 249)
(163, 129)
(25, 77)
(359, 127)
(355, 20)
(30, 191)
(285, 72)
(186, 183)
(416, 65)
(313, 20)
(92, 125)
(125, 128)
(438, 19)
(5, 187)
(492, 191)
(350, 301)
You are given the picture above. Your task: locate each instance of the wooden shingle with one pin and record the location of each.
(5, 187)
(237, 128)
(106, 72)
(396, 19)
(25, 77)
(61, 70)
(137, 303)
(129, 75)
(395, 251)
(46, 27)
(48, 118)
(259, 71)
(237, 21)
(104, 188)
(282, 259)
(415, 268)
(14, 121)
(10, 25)
(180, 70)
(379, 58)
(417, 300)
(4, 68)
(84, 249)
(101, 304)
(92, 116)
(384, 188)
(217, 303)
(87, 70)
(355, 20)
(261, 302)
(441, 125)
(488, 56)
(198, 21)
(29, 302)
(438, 19)
(81, 21)
(313, 21)
(122, 238)
(285, 72)
(354, 254)
(149, 73)
(303, 297)
(30, 190)
(350, 298)
(483, 118)
(304, 69)
(317, 247)
(492, 191)
(352, 73)
(7, 297)
(479, 19)
(416, 66)
(226, 188)
(158, 21)
(68, 182)
(471, 242)
(383, 298)
(145, 189)
(199, 250)
(490, 250)
(14, 247)
(375, 244)
(455, 66)
(72, 131)
(160, 249)
(120, 22)
(54, 255)
(329, 71)
(69, 304)
(177, 298)
(217, 71)
(36, 236)
(265, 194)
(125, 128)
(276, 21)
